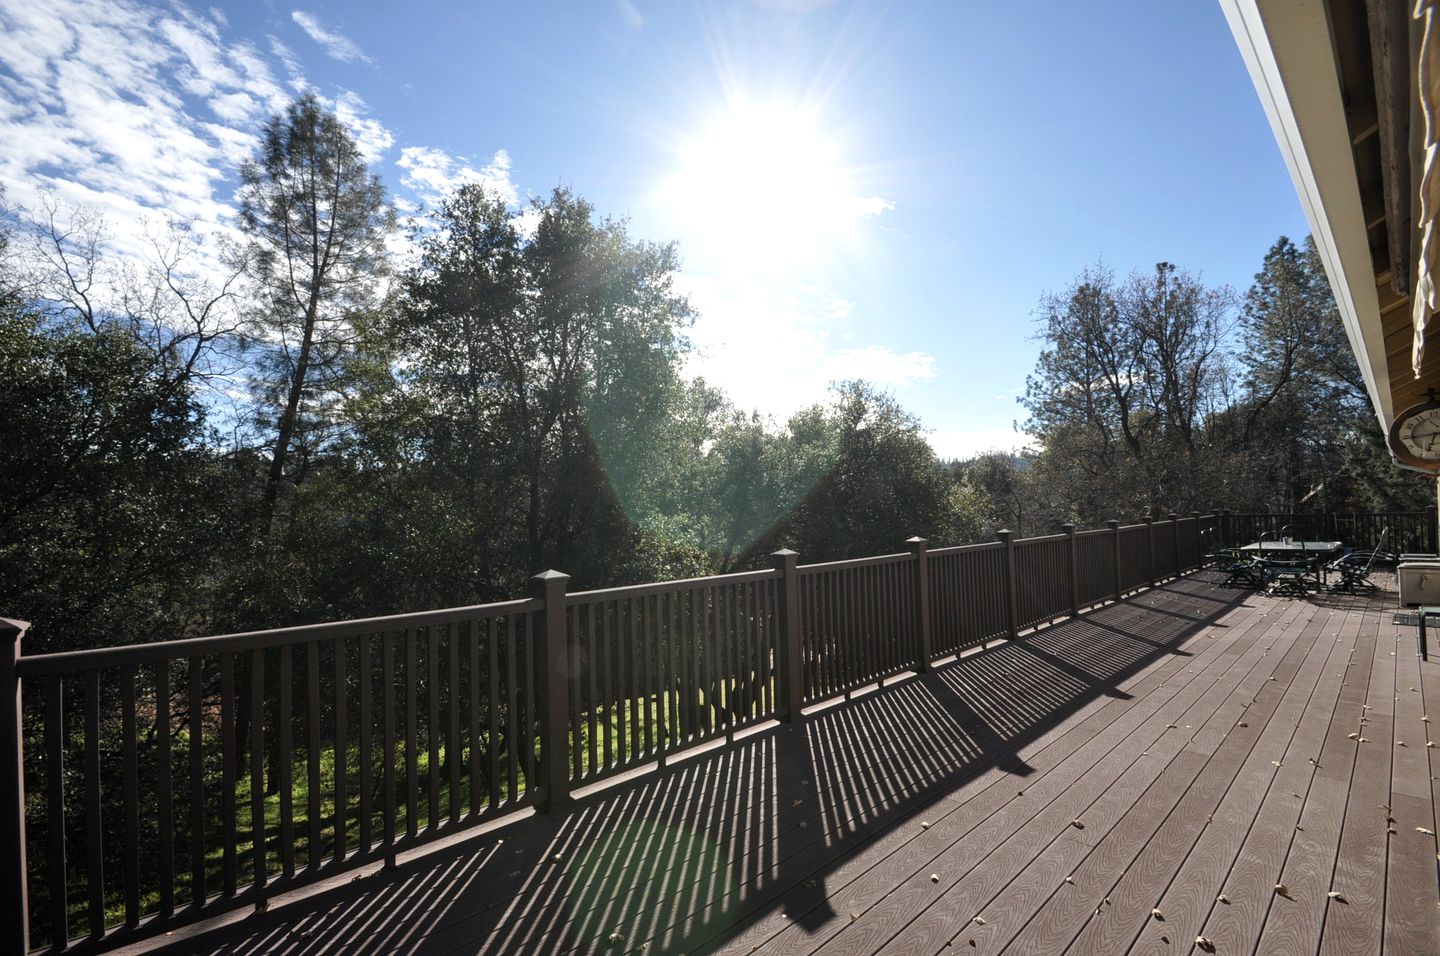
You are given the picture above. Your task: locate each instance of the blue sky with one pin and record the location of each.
(878, 190)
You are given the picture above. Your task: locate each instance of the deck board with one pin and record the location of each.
(1156, 722)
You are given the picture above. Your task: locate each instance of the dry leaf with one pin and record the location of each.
(979, 921)
(924, 824)
(1282, 890)
(1423, 830)
(1243, 724)
(1070, 880)
(1277, 763)
(1399, 743)
(1363, 740)
(1205, 944)
(1336, 896)
(1158, 915)
(1077, 824)
(1353, 736)
(934, 877)
(1222, 898)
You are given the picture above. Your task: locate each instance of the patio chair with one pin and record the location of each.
(1291, 578)
(1242, 570)
(1356, 567)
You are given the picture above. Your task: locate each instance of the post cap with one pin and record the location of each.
(545, 577)
(1004, 533)
(917, 540)
(784, 553)
(1068, 527)
(13, 629)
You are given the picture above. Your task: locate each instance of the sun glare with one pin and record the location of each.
(764, 182)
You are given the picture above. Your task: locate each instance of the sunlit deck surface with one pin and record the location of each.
(1184, 751)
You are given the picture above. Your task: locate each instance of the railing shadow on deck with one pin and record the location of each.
(685, 856)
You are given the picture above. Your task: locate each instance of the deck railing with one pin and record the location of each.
(1405, 531)
(160, 783)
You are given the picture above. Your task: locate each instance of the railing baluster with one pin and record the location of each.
(55, 808)
(492, 630)
(130, 776)
(602, 661)
(474, 697)
(432, 724)
(387, 749)
(284, 723)
(527, 632)
(514, 739)
(625, 700)
(452, 741)
(228, 770)
(571, 627)
(412, 638)
(342, 747)
(641, 621)
(164, 790)
(257, 766)
(367, 771)
(197, 783)
(312, 755)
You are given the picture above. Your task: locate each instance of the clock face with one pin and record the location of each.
(1416, 435)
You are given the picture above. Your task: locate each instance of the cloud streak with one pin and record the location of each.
(336, 45)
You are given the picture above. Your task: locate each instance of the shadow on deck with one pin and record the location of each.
(678, 859)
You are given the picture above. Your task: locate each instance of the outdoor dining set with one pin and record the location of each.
(1297, 568)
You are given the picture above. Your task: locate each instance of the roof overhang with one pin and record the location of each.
(1337, 81)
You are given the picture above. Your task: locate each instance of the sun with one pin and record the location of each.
(764, 182)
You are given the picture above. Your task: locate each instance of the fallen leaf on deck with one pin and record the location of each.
(1070, 880)
(1337, 897)
(979, 921)
(1423, 830)
(1222, 898)
(1205, 944)
(1353, 736)
(1077, 824)
(934, 877)
(1282, 890)
(1158, 915)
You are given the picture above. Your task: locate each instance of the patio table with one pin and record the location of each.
(1297, 549)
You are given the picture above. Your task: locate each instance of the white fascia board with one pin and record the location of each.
(1287, 48)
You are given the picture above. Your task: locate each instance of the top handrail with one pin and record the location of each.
(660, 587)
(62, 662)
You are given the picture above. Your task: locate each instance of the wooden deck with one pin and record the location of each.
(1189, 762)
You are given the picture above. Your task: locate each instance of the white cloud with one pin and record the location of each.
(370, 134)
(142, 112)
(336, 45)
(431, 173)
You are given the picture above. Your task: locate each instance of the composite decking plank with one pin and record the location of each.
(1248, 819)
(1199, 835)
(1070, 908)
(1010, 909)
(1143, 690)
(942, 831)
(1102, 794)
(1356, 925)
(1412, 891)
(1308, 868)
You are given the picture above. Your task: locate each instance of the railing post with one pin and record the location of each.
(1226, 528)
(1114, 525)
(787, 644)
(1069, 530)
(1199, 542)
(14, 897)
(1007, 537)
(552, 665)
(1150, 536)
(920, 548)
(1175, 528)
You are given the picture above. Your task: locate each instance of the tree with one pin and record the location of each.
(1130, 373)
(549, 365)
(316, 221)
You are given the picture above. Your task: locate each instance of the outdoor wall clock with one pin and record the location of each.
(1415, 435)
